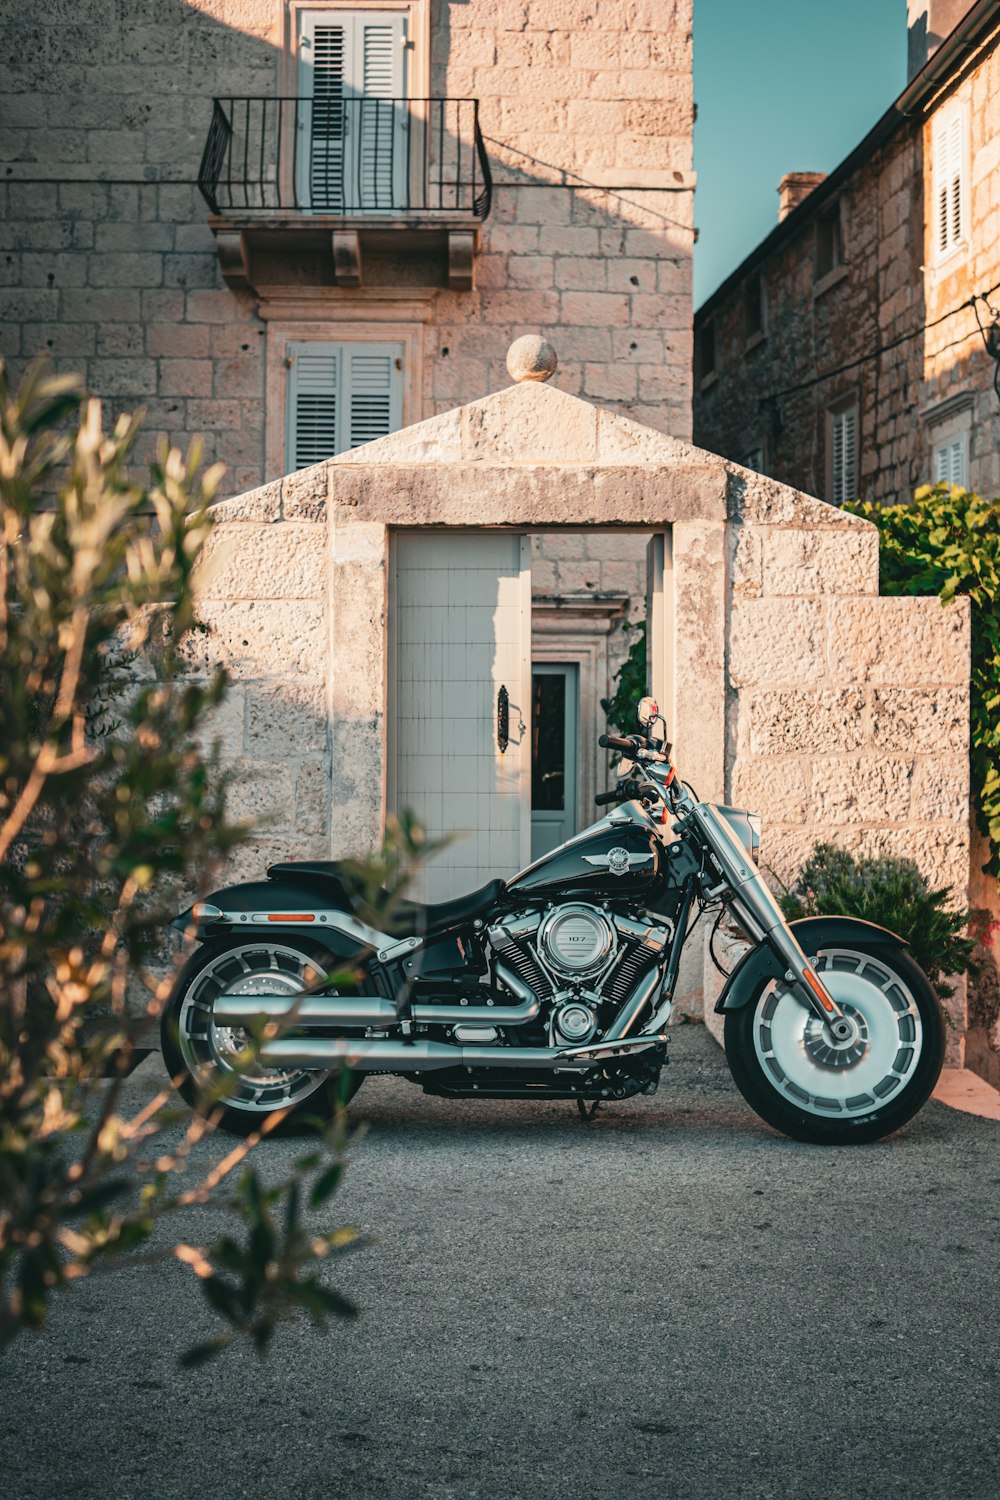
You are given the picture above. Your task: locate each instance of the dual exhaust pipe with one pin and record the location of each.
(382, 1055)
(403, 1055)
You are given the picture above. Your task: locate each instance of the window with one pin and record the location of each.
(755, 460)
(351, 125)
(949, 181)
(754, 310)
(951, 464)
(706, 352)
(829, 241)
(842, 428)
(338, 397)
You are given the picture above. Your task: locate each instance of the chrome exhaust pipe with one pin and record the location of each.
(629, 1013)
(371, 1010)
(382, 1055)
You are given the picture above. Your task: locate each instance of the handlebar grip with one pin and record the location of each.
(616, 742)
(603, 798)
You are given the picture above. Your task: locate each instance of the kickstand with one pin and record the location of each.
(587, 1112)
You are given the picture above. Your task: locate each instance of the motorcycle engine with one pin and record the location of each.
(583, 963)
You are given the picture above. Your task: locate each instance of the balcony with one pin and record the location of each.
(344, 192)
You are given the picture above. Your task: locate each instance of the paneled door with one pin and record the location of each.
(459, 701)
(351, 120)
(554, 755)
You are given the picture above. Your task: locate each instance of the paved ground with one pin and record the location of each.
(670, 1302)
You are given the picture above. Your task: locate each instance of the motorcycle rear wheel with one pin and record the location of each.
(796, 1077)
(195, 1050)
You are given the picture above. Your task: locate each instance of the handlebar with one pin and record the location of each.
(625, 791)
(616, 742)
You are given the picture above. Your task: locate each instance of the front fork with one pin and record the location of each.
(764, 920)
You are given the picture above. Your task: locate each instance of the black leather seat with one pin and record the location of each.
(407, 916)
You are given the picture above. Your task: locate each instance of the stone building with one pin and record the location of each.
(849, 354)
(292, 226)
(843, 355)
(338, 599)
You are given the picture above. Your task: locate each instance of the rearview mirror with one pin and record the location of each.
(647, 710)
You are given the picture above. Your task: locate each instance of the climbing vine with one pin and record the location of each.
(947, 542)
(630, 682)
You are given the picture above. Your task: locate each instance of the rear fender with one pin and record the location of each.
(757, 968)
(278, 906)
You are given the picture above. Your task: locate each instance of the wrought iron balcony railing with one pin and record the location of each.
(346, 156)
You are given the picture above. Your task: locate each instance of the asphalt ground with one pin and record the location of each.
(670, 1301)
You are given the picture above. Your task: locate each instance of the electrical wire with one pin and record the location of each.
(854, 364)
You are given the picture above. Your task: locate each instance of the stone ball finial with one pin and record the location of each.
(531, 358)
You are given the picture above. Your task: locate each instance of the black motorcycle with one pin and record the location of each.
(558, 983)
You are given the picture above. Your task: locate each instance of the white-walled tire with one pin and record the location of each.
(792, 1073)
(195, 1048)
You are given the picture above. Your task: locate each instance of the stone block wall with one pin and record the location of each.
(955, 362)
(849, 713)
(263, 602)
(108, 264)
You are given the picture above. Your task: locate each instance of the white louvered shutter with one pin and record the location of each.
(340, 396)
(383, 142)
(949, 463)
(374, 387)
(328, 122)
(313, 388)
(949, 181)
(844, 465)
(351, 138)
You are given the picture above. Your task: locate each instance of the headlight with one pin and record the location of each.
(754, 820)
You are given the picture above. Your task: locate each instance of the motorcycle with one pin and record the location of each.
(556, 984)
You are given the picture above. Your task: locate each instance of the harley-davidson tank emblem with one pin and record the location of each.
(618, 860)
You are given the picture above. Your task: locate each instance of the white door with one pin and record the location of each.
(351, 121)
(659, 625)
(554, 755)
(460, 638)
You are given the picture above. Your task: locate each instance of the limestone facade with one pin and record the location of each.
(887, 285)
(786, 693)
(109, 265)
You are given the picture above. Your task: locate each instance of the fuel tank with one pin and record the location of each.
(620, 859)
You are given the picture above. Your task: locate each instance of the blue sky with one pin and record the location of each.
(781, 86)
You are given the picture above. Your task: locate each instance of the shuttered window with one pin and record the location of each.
(950, 466)
(340, 396)
(843, 455)
(949, 181)
(351, 147)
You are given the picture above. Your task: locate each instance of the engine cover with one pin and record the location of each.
(576, 940)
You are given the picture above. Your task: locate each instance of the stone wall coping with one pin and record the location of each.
(567, 495)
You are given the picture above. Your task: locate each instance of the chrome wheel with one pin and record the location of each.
(252, 969)
(825, 1077)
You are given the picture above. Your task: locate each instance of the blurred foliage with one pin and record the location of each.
(630, 682)
(892, 893)
(947, 542)
(108, 811)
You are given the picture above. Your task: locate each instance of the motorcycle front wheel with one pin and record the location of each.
(198, 1052)
(800, 1080)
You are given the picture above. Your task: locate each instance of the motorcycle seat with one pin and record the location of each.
(407, 916)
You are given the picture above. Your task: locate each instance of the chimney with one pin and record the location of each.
(793, 187)
(928, 22)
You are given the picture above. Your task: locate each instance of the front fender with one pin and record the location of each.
(281, 906)
(758, 967)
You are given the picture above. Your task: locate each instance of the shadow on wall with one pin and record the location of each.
(112, 267)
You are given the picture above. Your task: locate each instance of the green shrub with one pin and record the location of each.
(892, 893)
(947, 542)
